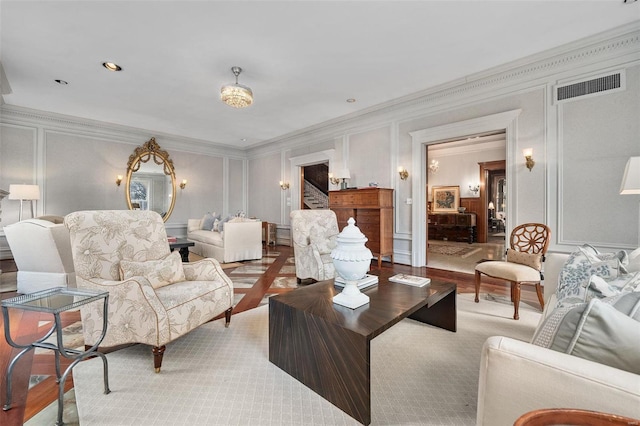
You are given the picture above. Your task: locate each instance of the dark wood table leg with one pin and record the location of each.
(442, 314)
(330, 360)
(184, 253)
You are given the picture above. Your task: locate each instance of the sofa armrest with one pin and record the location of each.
(518, 377)
(193, 225)
(133, 305)
(238, 235)
(208, 269)
(552, 267)
(308, 261)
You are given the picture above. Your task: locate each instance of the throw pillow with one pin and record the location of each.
(634, 261)
(606, 331)
(599, 287)
(531, 260)
(207, 221)
(577, 271)
(160, 272)
(216, 225)
(223, 222)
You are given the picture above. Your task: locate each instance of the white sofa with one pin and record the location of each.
(517, 377)
(42, 252)
(238, 241)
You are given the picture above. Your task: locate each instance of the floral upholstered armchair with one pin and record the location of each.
(153, 297)
(314, 235)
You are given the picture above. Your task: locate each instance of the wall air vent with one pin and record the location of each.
(593, 87)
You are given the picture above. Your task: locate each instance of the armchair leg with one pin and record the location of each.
(477, 286)
(158, 352)
(540, 296)
(515, 289)
(227, 317)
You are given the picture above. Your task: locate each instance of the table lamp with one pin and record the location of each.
(24, 193)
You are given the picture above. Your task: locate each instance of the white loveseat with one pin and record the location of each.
(517, 377)
(238, 241)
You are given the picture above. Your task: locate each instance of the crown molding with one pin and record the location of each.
(54, 122)
(612, 44)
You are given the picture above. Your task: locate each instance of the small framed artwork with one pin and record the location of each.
(446, 198)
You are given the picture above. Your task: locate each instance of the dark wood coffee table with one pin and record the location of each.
(182, 245)
(327, 346)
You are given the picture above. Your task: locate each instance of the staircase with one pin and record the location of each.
(314, 198)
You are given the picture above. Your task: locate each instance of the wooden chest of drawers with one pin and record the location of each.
(372, 209)
(453, 226)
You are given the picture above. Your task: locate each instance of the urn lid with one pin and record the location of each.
(350, 244)
(351, 233)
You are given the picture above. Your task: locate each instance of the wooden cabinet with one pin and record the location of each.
(453, 226)
(372, 209)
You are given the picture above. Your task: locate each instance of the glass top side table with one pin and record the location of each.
(55, 301)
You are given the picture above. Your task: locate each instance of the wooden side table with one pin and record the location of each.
(269, 233)
(55, 301)
(182, 245)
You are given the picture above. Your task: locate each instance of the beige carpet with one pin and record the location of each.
(217, 376)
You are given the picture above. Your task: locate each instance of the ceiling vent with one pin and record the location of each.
(605, 84)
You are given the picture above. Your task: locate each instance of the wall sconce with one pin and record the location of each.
(434, 166)
(333, 180)
(404, 174)
(118, 180)
(474, 188)
(528, 155)
(284, 185)
(183, 183)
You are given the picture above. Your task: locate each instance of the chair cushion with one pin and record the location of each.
(606, 331)
(509, 271)
(531, 260)
(159, 272)
(208, 237)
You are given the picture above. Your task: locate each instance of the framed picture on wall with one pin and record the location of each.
(446, 199)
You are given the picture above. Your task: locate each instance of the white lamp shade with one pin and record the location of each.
(344, 174)
(631, 178)
(491, 205)
(24, 192)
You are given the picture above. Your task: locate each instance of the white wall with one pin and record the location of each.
(461, 168)
(580, 150)
(76, 164)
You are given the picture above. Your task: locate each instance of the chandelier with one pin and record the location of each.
(236, 95)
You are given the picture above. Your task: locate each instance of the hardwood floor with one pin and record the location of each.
(25, 325)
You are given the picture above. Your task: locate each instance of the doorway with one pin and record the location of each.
(314, 186)
(421, 139)
(493, 198)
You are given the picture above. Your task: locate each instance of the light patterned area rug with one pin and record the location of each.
(217, 376)
(450, 250)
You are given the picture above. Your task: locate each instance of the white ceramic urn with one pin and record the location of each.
(352, 259)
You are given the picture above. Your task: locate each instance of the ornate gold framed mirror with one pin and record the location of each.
(151, 185)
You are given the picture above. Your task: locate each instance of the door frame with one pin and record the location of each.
(507, 121)
(482, 221)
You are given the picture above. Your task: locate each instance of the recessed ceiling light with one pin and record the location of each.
(243, 139)
(61, 82)
(351, 100)
(112, 66)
